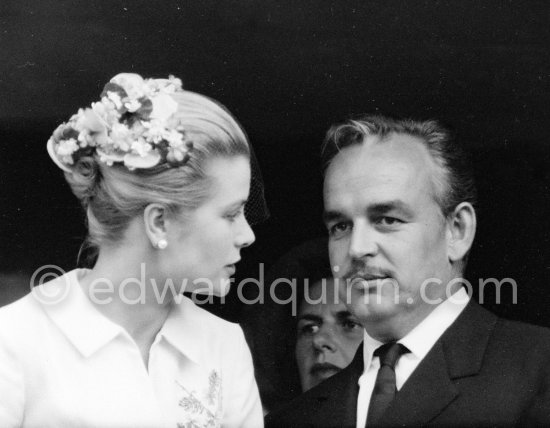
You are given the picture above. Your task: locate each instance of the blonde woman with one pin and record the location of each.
(164, 175)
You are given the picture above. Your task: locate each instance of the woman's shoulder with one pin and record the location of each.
(27, 316)
(20, 310)
(18, 321)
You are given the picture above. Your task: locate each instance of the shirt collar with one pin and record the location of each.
(183, 329)
(369, 346)
(422, 338)
(66, 304)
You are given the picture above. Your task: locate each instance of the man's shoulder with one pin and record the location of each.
(519, 329)
(483, 321)
(505, 330)
(530, 339)
(479, 329)
(482, 343)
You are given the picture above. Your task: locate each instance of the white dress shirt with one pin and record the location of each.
(64, 364)
(419, 341)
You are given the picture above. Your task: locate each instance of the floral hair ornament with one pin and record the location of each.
(133, 125)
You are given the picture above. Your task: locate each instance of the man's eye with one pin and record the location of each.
(339, 229)
(389, 221)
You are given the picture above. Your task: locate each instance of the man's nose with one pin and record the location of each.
(363, 242)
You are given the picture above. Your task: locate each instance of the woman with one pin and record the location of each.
(164, 175)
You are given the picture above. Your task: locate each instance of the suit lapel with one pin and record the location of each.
(458, 353)
(425, 394)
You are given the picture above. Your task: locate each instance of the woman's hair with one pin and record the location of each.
(113, 195)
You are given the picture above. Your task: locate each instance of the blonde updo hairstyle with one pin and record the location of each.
(113, 195)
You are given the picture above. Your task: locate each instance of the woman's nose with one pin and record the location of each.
(246, 236)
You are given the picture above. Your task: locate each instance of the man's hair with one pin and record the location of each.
(454, 185)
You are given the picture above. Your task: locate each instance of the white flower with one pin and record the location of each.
(84, 139)
(132, 105)
(52, 152)
(174, 84)
(91, 123)
(168, 86)
(67, 148)
(106, 110)
(174, 138)
(138, 129)
(115, 98)
(178, 149)
(132, 83)
(122, 137)
(175, 155)
(156, 130)
(141, 147)
(164, 106)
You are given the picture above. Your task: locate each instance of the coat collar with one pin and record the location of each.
(185, 329)
(458, 353)
(88, 330)
(66, 304)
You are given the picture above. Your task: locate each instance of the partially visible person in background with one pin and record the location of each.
(327, 336)
(297, 341)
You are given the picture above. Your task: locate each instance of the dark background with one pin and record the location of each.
(287, 70)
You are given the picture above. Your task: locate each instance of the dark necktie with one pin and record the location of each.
(384, 388)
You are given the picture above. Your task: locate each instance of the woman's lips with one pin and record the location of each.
(324, 370)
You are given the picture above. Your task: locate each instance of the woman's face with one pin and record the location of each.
(206, 245)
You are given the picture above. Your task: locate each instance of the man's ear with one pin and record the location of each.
(461, 229)
(155, 219)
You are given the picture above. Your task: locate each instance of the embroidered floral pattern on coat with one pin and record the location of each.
(203, 410)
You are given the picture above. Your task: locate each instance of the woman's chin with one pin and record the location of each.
(218, 287)
(223, 287)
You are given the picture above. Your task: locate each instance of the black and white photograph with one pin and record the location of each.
(274, 213)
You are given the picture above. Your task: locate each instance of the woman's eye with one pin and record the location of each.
(234, 215)
(350, 325)
(308, 329)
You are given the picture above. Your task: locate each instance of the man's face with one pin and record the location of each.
(328, 335)
(387, 234)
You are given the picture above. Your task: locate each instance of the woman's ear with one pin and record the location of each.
(461, 226)
(155, 219)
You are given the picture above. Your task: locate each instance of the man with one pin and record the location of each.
(328, 335)
(399, 208)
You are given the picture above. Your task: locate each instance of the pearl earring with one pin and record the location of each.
(162, 244)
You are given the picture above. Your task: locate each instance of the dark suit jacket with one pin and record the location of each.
(483, 371)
